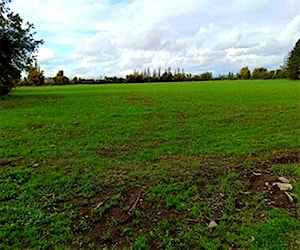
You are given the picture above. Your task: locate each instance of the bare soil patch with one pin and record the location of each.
(136, 101)
(35, 126)
(134, 210)
(264, 182)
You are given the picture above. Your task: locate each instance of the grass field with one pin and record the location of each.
(150, 166)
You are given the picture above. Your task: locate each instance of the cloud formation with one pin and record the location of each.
(93, 38)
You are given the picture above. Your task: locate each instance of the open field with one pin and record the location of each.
(149, 166)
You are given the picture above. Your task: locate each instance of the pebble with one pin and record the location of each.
(212, 224)
(283, 179)
(284, 186)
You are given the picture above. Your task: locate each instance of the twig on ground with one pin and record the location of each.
(133, 207)
(99, 204)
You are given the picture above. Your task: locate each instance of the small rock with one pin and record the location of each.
(284, 186)
(35, 165)
(257, 174)
(283, 179)
(212, 224)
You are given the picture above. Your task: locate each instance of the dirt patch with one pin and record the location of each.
(264, 182)
(286, 157)
(138, 101)
(118, 150)
(261, 181)
(35, 126)
(13, 162)
(132, 211)
(115, 217)
(4, 163)
(106, 152)
(266, 159)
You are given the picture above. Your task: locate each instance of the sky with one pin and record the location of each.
(97, 38)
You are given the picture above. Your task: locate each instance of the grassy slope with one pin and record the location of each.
(74, 160)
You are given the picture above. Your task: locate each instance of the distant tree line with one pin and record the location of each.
(290, 69)
(35, 77)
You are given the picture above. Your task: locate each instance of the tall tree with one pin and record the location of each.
(293, 62)
(35, 76)
(60, 79)
(260, 73)
(17, 47)
(245, 73)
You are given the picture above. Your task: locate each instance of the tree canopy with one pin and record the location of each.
(245, 73)
(35, 76)
(17, 47)
(293, 62)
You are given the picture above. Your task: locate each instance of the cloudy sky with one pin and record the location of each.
(96, 38)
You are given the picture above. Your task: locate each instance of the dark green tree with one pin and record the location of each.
(260, 73)
(17, 47)
(281, 73)
(35, 76)
(60, 79)
(293, 62)
(245, 73)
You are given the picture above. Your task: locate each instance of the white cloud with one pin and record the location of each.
(108, 37)
(45, 54)
(292, 30)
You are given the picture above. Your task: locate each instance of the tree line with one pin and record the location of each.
(18, 48)
(35, 77)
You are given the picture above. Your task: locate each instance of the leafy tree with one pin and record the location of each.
(17, 47)
(136, 77)
(245, 73)
(293, 62)
(35, 76)
(260, 73)
(179, 77)
(207, 76)
(281, 73)
(167, 76)
(60, 79)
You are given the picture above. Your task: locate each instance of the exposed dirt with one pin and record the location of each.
(118, 150)
(123, 215)
(264, 182)
(106, 153)
(117, 214)
(286, 157)
(115, 217)
(3, 163)
(35, 126)
(13, 162)
(267, 159)
(137, 101)
(261, 181)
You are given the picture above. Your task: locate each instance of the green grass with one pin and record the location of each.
(148, 166)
